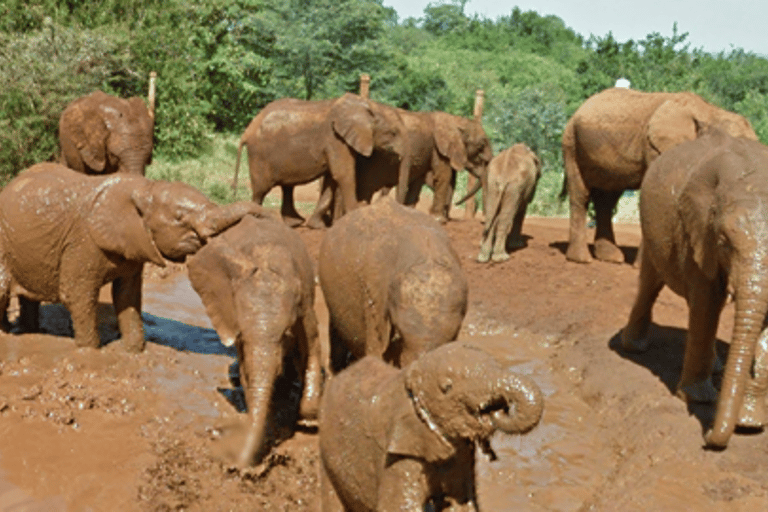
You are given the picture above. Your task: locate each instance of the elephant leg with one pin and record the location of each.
(288, 208)
(507, 211)
(81, 304)
(329, 498)
(324, 204)
(578, 197)
(340, 355)
(516, 237)
(5, 298)
(403, 486)
(414, 190)
(470, 205)
(705, 305)
(342, 166)
(126, 297)
(605, 241)
(309, 343)
(29, 315)
(634, 336)
(490, 230)
(753, 412)
(443, 174)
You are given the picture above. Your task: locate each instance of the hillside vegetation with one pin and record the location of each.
(220, 61)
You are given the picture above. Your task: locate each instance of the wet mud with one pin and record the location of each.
(106, 430)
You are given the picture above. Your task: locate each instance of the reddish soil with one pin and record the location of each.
(104, 430)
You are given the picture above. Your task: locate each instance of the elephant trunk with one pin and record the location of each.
(403, 177)
(220, 218)
(525, 404)
(134, 162)
(751, 307)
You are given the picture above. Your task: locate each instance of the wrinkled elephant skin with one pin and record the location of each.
(291, 142)
(393, 284)
(512, 178)
(394, 440)
(608, 144)
(704, 222)
(102, 134)
(257, 283)
(63, 235)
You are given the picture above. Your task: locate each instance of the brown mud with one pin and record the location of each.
(105, 430)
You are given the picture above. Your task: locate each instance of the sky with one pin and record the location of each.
(713, 25)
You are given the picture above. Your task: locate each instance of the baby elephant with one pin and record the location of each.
(63, 235)
(401, 439)
(512, 178)
(392, 282)
(257, 283)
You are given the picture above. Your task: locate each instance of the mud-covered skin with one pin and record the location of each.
(393, 284)
(257, 282)
(608, 144)
(512, 178)
(705, 235)
(102, 134)
(394, 440)
(293, 141)
(64, 235)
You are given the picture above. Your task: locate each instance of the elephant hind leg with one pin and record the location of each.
(29, 315)
(288, 209)
(605, 241)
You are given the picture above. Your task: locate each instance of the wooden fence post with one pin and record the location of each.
(365, 84)
(151, 95)
(470, 205)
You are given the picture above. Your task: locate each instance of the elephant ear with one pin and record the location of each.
(410, 435)
(89, 134)
(212, 271)
(116, 220)
(352, 120)
(697, 204)
(449, 142)
(672, 123)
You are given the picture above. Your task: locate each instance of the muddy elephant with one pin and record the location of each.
(63, 235)
(102, 134)
(404, 439)
(393, 284)
(608, 144)
(704, 223)
(257, 283)
(441, 144)
(291, 142)
(511, 183)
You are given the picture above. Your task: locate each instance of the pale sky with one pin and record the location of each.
(713, 25)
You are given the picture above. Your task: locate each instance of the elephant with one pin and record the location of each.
(511, 183)
(704, 224)
(102, 134)
(63, 235)
(293, 141)
(257, 283)
(608, 144)
(405, 439)
(393, 284)
(440, 145)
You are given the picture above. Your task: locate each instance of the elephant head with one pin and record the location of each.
(461, 393)
(147, 220)
(464, 142)
(101, 133)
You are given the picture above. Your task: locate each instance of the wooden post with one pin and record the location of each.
(365, 84)
(470, 205)
(151, 96)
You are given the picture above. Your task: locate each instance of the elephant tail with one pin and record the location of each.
(237, 167)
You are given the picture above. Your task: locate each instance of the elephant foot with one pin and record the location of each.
(483, 257)
(498, 257)
(308, 422)
(607, 251)
(293, 221)
(753, 412)
(700, 392)
(578, 253)
(634, 344)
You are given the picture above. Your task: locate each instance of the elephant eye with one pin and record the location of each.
(446, 385)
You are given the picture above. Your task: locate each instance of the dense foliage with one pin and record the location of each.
(220, 61)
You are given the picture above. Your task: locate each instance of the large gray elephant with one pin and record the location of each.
(63, 235)
(102, 134)
(441, 145)
(293, 141)
(257, 283)
(704, 219)
(511, 183)
(608, 144)
(393, 440)
(393, 284)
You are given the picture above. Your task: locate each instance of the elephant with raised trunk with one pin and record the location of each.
(512, 178)
(393, 284)
(102, 134)
(291, 142)
(393, 440)
(63, 235)
(257, 282)
(608, 144)
(704, 219)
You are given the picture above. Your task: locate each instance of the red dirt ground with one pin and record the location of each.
(105, 430)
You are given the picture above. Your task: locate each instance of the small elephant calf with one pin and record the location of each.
(512, 178)
(393, 440)
(258, 285)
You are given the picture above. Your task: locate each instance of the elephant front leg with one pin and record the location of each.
(81, 300)
(443, 191)
(404, 486)
(126, 297)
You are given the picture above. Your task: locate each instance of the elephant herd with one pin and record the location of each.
(399, 404)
